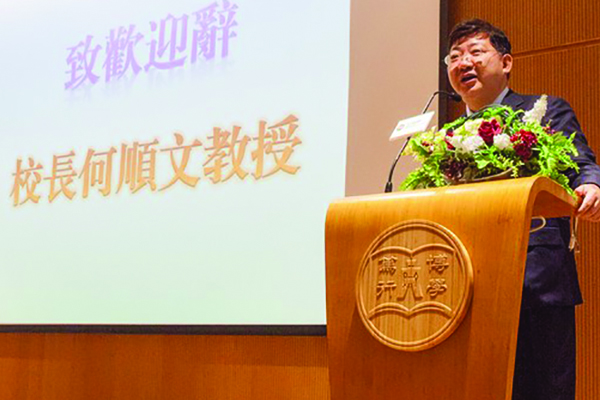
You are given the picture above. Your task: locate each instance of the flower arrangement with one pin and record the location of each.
(496, 142)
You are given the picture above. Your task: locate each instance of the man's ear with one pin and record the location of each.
(507, 63)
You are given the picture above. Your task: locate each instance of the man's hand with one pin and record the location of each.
(590, 206)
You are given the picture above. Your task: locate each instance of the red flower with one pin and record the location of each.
(449, 133)
(488, 129)
(523, 151)
(524, 141)
(524, 136)
(454, 169)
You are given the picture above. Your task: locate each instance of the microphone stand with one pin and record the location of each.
(389, 185)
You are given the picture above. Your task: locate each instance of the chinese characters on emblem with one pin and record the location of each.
(409, 285)
(387, 267)
(170, 43)
(438, 264)
(134, 166)
(436, 286)
(410, 278)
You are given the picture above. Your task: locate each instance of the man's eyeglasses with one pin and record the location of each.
(455, 58)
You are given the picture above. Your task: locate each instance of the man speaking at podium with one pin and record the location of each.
(479, 65)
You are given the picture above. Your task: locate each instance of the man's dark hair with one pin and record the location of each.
(476, 26)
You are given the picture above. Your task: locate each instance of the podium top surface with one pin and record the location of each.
(548, 198)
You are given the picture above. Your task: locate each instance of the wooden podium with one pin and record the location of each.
(424, 289)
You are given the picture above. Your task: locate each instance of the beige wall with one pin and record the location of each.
(394, 61)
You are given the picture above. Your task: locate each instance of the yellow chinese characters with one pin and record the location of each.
(220, 157)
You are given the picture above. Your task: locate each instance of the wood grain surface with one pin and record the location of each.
(414, 285)
(153, 367)
(477, 361)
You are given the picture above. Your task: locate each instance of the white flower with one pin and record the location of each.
(502, 141)
(457, 142)
(466, 144)
(472, 143)
(472, 126)
(538, 111)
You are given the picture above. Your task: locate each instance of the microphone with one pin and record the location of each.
(454, 96)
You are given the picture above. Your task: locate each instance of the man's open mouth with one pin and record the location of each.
(468, 78)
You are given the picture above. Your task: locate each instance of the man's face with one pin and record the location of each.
(477, 71)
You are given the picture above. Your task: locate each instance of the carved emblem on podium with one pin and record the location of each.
(414, 285)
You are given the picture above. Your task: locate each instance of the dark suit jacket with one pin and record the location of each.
(550, 273)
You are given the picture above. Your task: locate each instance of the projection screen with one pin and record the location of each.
(171, 163)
